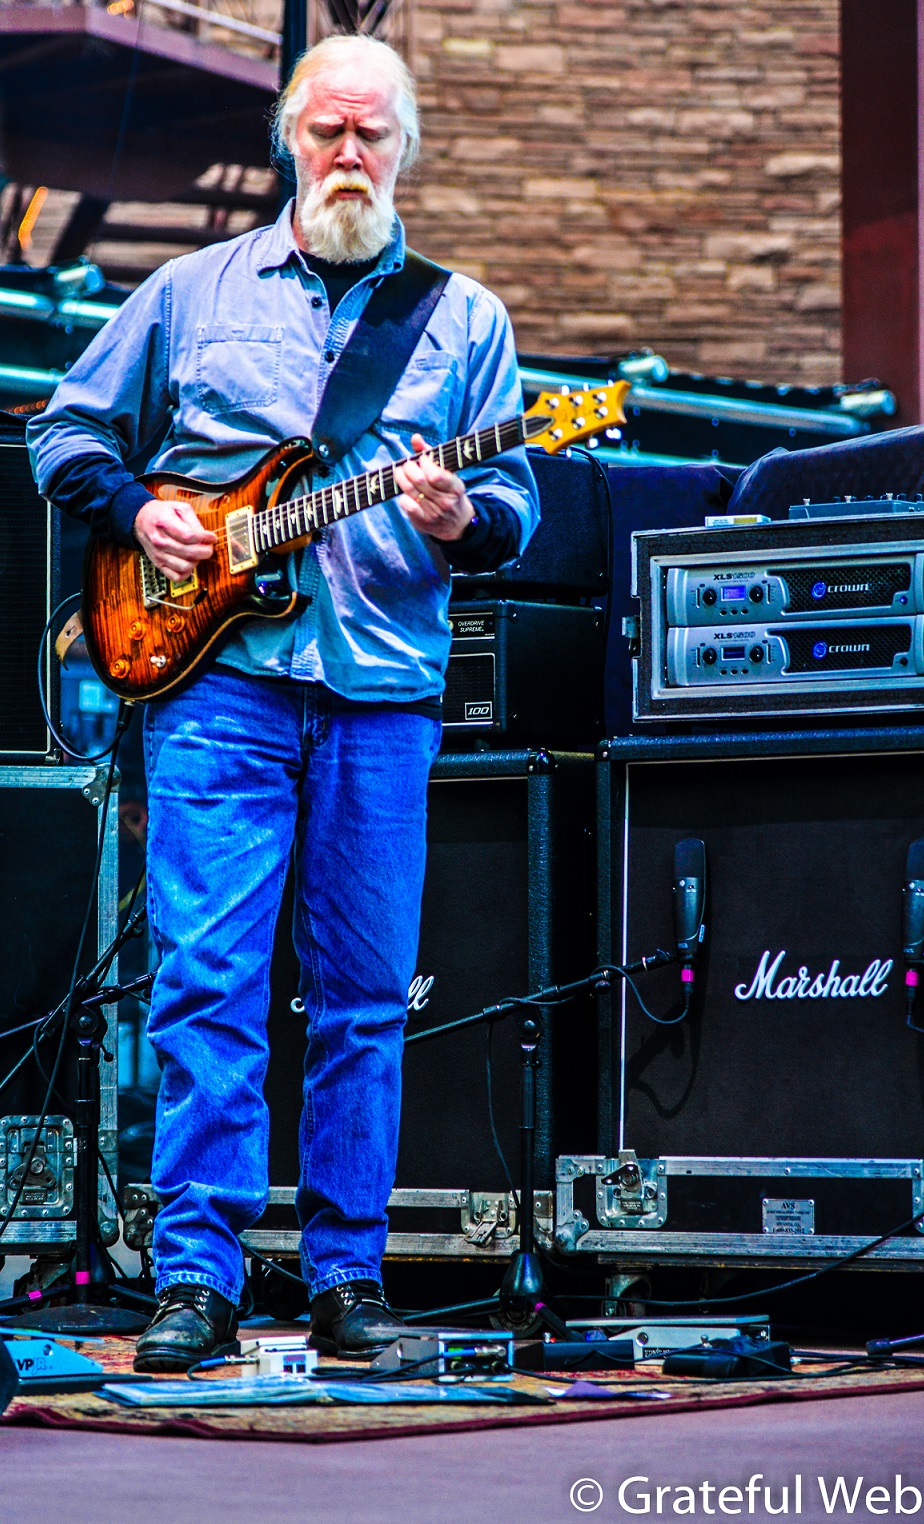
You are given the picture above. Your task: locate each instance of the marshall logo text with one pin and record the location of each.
(804, 985)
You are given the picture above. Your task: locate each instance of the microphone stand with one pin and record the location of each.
(520, 1298)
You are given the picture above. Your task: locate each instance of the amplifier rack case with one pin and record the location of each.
(740, 692)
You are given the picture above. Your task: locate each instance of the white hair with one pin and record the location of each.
(338, 49)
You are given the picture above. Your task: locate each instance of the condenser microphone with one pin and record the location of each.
(690, 908)
(913, 927)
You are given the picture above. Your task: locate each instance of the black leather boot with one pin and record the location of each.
(353, 1321)
(191, 1323)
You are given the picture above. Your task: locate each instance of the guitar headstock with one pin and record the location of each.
(559, 419)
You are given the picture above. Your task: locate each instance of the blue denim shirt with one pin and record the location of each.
(231, 348)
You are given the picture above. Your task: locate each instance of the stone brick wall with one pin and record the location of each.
(639, 172)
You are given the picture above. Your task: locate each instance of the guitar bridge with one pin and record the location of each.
(153, 583)
(242, 555)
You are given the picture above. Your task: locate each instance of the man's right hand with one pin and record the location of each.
(172, 536)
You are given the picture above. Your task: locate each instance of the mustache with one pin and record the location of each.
(339, 180)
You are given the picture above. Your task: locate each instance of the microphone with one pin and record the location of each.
(913, 927)
(689, 908)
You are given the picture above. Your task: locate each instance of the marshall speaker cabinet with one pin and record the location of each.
(507, 908)
(782, 1118)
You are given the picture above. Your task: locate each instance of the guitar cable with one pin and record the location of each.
(125, 707)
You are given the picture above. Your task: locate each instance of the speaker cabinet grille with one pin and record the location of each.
(507, 907)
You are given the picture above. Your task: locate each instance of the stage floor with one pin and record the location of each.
(520, 1476)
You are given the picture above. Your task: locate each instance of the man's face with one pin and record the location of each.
(347, 147)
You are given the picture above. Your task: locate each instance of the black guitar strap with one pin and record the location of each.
(376, 356)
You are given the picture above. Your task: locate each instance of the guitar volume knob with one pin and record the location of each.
(120, 667)
(175, 623)
(136, 629)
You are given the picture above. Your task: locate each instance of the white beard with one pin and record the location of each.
(344, 232)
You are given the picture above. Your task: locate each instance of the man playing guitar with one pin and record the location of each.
(313, 736)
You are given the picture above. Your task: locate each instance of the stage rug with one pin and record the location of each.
(331, 1424)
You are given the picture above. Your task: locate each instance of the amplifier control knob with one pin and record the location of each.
(709, 596)
(756, 594)
(710, 655)
(756, 654)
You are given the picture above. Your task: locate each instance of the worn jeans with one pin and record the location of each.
(240, 769)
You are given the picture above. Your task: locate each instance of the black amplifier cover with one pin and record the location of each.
(568, 555)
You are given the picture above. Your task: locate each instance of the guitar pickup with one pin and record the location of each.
(241, 551)
(189, 584)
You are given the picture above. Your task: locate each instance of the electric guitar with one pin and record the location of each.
(146, 634)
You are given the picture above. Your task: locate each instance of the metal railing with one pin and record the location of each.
(254, 26)
(249, 26)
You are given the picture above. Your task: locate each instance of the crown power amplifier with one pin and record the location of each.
(789, 618)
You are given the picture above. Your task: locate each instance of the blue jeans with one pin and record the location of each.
(240, 769)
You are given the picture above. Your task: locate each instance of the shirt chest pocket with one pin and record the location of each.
(237, 366)
(427, 399)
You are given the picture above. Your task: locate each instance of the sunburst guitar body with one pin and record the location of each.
(147, 635)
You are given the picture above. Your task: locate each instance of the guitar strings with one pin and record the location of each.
(480, 437)
(512, 432)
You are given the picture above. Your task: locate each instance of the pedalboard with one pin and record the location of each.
(783, 618)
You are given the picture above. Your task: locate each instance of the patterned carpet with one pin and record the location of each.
(329, 1423)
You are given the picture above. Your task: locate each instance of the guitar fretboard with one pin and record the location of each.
(300, 516)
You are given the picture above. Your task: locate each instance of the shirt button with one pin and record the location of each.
(316, 301)
(329, 356)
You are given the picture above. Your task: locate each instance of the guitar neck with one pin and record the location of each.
(274, 528)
